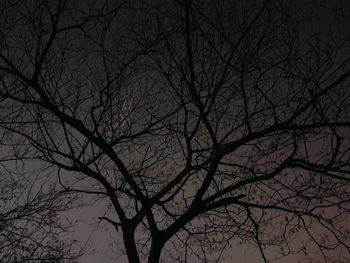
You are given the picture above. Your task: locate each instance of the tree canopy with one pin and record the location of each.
(200, 124)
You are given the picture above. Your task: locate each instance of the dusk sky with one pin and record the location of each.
(174, 131)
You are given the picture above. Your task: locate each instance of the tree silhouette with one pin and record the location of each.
(29, 229)
(199, 123)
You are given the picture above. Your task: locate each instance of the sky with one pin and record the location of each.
(87, 233)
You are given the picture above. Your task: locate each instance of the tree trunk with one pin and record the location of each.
(130, 246)
(156, 250)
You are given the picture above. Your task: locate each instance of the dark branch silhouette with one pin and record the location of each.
(199, 123)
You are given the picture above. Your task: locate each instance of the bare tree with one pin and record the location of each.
(199, 123)
(29, 227)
